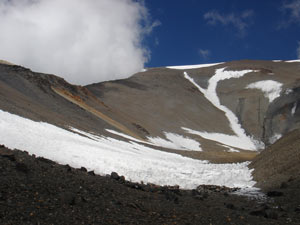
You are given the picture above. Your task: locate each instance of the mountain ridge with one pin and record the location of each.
(158, 102)
(181, 127)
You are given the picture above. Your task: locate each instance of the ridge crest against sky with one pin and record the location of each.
(97, 40)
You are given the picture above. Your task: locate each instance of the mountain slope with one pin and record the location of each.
(279, 164)
(218, 118)
(141, 127)
(162, 100)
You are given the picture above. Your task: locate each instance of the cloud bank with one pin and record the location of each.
(83, 41)
(204, 53)
(292, 8)
(239, 21)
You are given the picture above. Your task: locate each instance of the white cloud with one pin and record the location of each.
(239, 21)
(293, 10)
(204, 53)
(82, 41)
(156, 42)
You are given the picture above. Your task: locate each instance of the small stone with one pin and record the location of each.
(270, 214)
(68, 198)
(83, 169)
(122, 179)
(115, 176)
(274, 194)
(171, 197)
(229, 206)
(199, 197)
(92, 173)
(283, 208)
(22, 167)
(48, 161)
(283, 185)
(195, 192)
(259, 212)
(68, 168)
(7, 154)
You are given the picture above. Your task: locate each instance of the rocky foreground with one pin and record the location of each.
(35, 190)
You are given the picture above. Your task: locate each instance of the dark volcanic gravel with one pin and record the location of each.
(39, 191)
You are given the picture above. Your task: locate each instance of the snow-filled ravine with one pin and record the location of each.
(240, 140)
(104, 155)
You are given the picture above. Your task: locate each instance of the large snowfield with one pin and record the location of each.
(104, 155)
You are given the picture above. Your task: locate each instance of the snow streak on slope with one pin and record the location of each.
(104, 155)
(188, 67)
(274, 138)
(241, 140)
(270, 88)
(291, 61)
(175, 141)
(125, 136)
(294, 109)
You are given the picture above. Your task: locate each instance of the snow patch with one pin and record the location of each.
(294, 108)
(288, 91)
(241, 140)
(274, 138)
(230, 140)
(230, 149)
(291, 61)
(104, 155)
(270, 88)
(126, 136)
(176, 141)
(188, 67)
(252, 193)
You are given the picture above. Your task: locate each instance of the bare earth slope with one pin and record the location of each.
(277, 171)
(48, 98)
(162, 100)
(279, 163)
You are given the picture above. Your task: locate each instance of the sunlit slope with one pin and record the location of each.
(223, 112)
(162, 100)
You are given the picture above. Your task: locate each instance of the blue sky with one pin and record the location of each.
(195, 31)
(87, 41)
